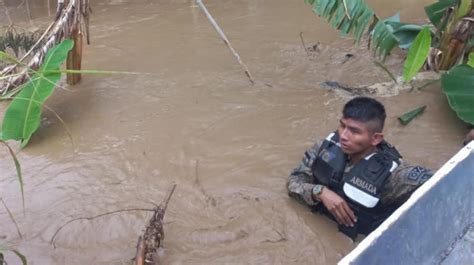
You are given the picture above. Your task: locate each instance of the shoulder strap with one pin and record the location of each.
(332, 138)
(389, 151)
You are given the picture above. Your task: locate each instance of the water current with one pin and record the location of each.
(191, 117)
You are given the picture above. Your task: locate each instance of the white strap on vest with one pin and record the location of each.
(359, 196)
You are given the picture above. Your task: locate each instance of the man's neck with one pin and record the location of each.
(355, 158)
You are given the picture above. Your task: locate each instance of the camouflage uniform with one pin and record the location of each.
(397, 189)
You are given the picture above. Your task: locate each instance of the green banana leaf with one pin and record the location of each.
(410, 115)
(458, 86)
(417, 54)
(393, 19)
(23, 115)
(465, 6)
(436, 11)
(406, 34)
(470, 61)
(356, 17)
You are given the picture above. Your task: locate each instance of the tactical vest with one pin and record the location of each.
(361, 186)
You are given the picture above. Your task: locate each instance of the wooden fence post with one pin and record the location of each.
(74, 58)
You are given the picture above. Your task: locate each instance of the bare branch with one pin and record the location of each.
(304, 45)
(92, 218)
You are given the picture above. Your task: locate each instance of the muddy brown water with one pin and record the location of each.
(192, 118)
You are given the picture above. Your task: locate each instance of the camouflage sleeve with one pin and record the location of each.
(403, 182)
(300, 182)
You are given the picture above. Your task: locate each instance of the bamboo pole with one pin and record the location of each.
(226, 41)
(74, 58)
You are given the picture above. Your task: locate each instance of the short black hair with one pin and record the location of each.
(365, 109)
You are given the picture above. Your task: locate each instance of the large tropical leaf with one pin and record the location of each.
(383, 39)
(356, 17)
(458, 85)
(417, 54)
(22, 117)
(436, 11)
(406, 34)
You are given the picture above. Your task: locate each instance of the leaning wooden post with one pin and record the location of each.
(74, 58)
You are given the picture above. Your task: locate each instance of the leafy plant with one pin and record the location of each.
(23, 115)
(470, 62)
(18, 42)
(417, 54)
(458, 85)
(356, 17)
(438, 10)
(451, 41)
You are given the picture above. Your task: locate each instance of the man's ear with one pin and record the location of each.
(377, 138)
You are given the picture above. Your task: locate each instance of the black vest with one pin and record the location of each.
(361, 186)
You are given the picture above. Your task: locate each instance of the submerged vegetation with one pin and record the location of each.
(445, 45)
(18, 42)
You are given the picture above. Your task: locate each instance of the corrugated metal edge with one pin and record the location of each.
(440, 174)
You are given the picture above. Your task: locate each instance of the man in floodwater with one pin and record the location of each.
(354, 176)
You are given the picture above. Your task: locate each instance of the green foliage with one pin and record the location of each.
(417, 54)
(383, 40)
(23, 116)
(350, 16)
(436, 11)
(357, 18)
(470, 61)
(464, 8)
(458, 85)
(406, 33)
(18, 41)
(16, 252)
(410, 115)
(354, 16)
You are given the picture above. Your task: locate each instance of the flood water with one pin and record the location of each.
(192, 118)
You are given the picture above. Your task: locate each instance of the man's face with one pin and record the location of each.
(355, 136)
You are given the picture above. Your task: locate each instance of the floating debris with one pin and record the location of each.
(409, 116)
